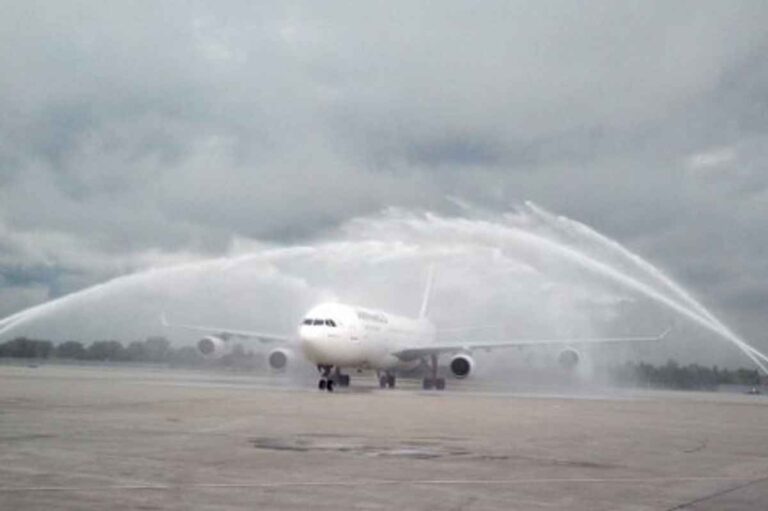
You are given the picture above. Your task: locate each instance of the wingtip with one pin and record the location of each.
(163, 319)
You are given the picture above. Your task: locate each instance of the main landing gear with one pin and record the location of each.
(341, 379)
(431, 381)
(330, 378)
(386, 379)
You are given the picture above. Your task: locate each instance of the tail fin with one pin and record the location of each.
(427, 292)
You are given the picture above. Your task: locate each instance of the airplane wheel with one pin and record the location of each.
(383, 382)
(391, 381)
(427, 384)
(440, 384)
(322, 384)
(329, 386)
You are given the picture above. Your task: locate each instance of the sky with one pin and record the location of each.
(142, 134)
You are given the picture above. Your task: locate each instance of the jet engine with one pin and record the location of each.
(568, 358)
(213, 347)
(279, 358)
(461, 365)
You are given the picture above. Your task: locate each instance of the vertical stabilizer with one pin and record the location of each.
(427, 292)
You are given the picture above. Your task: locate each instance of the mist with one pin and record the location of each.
(524, 274)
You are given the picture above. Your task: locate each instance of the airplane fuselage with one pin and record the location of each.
(342, 335)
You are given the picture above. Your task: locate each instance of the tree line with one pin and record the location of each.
(159, 350)
(151, 350)
(672, 375)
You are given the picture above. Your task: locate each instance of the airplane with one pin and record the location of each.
(336, 337)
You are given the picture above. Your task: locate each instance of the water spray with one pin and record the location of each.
(530, 238)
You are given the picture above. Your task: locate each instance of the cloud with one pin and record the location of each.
(141, 133)
(713, 158)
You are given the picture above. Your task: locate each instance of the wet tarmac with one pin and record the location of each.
(85, 438)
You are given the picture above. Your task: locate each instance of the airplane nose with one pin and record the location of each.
(323, 347)
(309, 334)
(311, 342)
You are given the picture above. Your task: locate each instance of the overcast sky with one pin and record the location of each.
(138, 133)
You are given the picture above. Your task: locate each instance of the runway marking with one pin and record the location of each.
(377, 482)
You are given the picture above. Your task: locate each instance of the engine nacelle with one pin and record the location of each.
(461, 365)
(279, 359)
(213, 347)
(568, 358)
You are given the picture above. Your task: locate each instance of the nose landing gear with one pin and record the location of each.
(341, 379)
(329, 378)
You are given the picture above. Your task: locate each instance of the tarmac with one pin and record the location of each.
(111, 438)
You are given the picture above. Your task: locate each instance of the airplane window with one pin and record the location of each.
(330, 322)
(307, 322)
(318, 322)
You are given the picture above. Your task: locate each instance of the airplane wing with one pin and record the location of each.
(456, 347)
(264, 337)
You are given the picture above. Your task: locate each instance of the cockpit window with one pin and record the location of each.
(318, 322)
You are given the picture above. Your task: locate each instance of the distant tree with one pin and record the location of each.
(106, 350)
(71, 349)
(136, 352)
(186, 356)
(747, 377)
(21, 347)
(157, 349)
(673, 375)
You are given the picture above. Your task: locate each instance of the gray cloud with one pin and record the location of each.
(147, 132)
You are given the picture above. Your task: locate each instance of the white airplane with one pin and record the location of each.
(336, 336)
